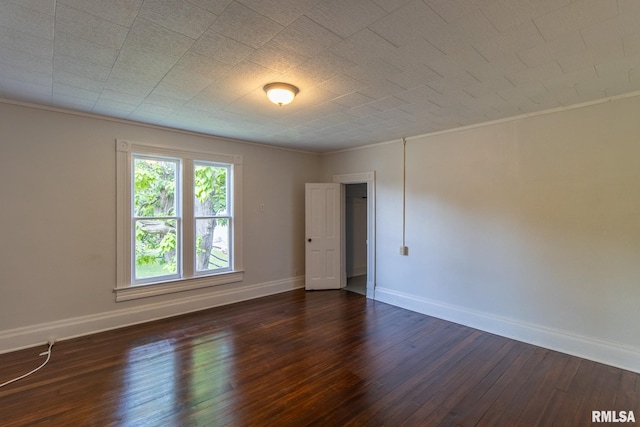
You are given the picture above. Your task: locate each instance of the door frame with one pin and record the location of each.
(368, 178)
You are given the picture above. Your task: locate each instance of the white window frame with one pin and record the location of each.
(125, 288)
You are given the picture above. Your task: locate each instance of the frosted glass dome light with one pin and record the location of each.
(281, 93)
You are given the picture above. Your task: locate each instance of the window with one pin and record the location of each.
(155, 218)
(212, 219)
(177, 220)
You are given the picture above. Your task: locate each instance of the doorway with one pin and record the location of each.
(355, 210)
(366, 206)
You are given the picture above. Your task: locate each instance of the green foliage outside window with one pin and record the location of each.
(156, 207)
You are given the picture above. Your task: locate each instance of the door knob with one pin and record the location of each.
(308, 240)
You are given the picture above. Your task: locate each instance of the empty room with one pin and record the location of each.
(319, 212)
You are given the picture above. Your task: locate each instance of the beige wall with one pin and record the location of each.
(528, 228)
(57, 257)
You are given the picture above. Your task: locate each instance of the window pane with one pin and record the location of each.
(212, 244)
(156, 248)
(154, 187)
(210, 190)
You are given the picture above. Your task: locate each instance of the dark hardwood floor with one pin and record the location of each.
(325, 358)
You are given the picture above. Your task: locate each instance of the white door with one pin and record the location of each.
(323, 245)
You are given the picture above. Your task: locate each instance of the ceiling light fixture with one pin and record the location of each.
(281, 93)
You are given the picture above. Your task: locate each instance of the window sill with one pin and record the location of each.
(180, 285)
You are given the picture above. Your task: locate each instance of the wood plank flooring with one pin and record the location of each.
(325, 358)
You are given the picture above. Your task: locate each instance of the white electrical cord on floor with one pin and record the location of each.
(48, 353)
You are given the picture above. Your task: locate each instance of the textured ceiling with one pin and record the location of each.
(368, 70)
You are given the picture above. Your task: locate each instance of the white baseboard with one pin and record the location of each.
(609, 353)
(30, 336)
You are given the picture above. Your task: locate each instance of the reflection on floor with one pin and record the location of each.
(357, 284)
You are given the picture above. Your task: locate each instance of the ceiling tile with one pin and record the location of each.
(147, 35)
(560, 82)
(417, 94)
(23, 42)
(610, 30)
(80, 67)
(22, 74)
(568, 44)
(325, 65)
(631, 44)
(388, 103)
(419, 107)
(374, 71)
(283, 12)
(61, 89)
(488, 103)
(415, 76)
(125, 98)
(575, 16)
(589, 58)
(342, 84)
(235, 20)
(121, 12)
(488, 87)
(501, 66)
(142, 65)
(467, 58)
(366, 47)
(71, 102)
(26, 20)
(43, 6)
(113, 108)
(69, 45)
(471, 28)
(152, 117)
(182, 90)
(180, 16)
(409, 24)
(242, 79)
(353, 100)
(25, 60)
(547, 70)
(506, 14)
(221, 48)
(73, 80)
(391, 5)
(345, 17)
(522, 95)
(382, 89)
(620, 66)
(196, 69)
(300, 78)
(451, 10)
(132, 88)
(214, 6)
(306, 37)
(165, 102)
(85, 26)
(276, 57)
(450, 99)
(591, 90)
(453, 81)
(516, 39)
